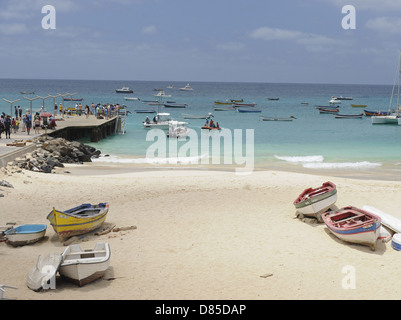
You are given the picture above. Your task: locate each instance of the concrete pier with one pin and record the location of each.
(70, 128)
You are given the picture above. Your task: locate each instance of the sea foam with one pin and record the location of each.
(342, 165)
(301, 159)
(156, 160)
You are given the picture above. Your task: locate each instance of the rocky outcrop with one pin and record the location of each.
(54, 152)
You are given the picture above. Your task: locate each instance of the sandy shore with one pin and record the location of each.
(202, 235)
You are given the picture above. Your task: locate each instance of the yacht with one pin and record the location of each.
(187, 88)
(124, 90)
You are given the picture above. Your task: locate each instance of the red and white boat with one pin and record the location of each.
(354, 225)
(314, 201)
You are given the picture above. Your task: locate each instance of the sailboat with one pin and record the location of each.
(392, 118)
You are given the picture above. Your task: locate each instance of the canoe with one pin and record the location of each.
(276, 119)
(84, 266)
(177, 105)
(313, 201)
(354, 225)
(25, 234)
(238, 105)
(249, 110)
(329, 110)
(349, 116)
(78, 220)
(359, 105)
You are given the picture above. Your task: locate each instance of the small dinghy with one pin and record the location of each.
(25, 234)
(84, 266)
(313, 201)
(354, 225)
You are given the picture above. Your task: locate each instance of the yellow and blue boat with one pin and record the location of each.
(79, 220)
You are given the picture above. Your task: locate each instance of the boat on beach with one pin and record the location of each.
(79, 220)
(313, 201)
(84, 266)
(348, 116)
(354, 225)
(25, 234)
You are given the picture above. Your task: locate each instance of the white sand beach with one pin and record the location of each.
(202, 235)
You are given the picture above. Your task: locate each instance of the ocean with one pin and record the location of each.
(312, 142)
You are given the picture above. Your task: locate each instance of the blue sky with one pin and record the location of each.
(186, 40)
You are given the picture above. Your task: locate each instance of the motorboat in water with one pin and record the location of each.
(124, 90)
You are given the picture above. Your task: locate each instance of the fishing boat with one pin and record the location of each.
(25, 234)
(359, 105)
(26, 92)
(335, 101)
(210, 128)
(175, 105)
(236, 100)
(187, 88)
(239, 105)
(376, 113)
(342, 98)
(84, 266)
(273, 99)
(194, 116)
(177, 131)
(276, 119)
(162, 94)
(226, 103)
(224, 109)
(354, 225)
(131, 99)
(161, 121)
(78, 220)
(348, 116)
(124, 90)
(249, 110)
(321, 110)
(313, 201)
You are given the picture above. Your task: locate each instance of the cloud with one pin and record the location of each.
(311, 41)
(385, 24)
(149, 30)
(10, 29)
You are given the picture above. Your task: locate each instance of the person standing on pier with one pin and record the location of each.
(28, 123)
(7, 124)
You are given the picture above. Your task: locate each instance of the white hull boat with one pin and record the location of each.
(393, 119)
(25, 234)
(85, 266)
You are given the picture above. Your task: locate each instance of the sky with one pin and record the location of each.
(283, 41)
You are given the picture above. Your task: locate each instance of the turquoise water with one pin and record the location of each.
(312, 140)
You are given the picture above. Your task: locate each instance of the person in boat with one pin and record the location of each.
(217, 126)
(211, 123)
(207, 122)
(155, 119)
(147, 121)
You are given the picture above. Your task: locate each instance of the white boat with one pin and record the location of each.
(170, 86)
(25, 234)
(131, 99)
(161, 121)
(396, 114)
(335, 101)
(162, 94)
(84, 266)
(124, 90)
(177, 130)
(313, 201)
(187, 88)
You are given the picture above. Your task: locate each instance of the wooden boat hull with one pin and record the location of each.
(25, 234)
(349, 116)
(210, 128)
(354, 225)
(376, 113)
(313, 201)
(84, 266)
(67, 224)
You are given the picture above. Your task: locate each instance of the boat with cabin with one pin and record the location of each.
(124, 90)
